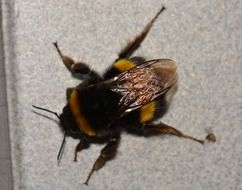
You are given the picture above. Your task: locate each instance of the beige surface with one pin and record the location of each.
(204, 37)
(5, 161)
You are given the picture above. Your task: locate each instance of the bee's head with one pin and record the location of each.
(68, 123)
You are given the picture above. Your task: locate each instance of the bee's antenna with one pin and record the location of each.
(47, 111)
(60, 153)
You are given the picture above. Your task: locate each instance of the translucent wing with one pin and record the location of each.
(143, 83)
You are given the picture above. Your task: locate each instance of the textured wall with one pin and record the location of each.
(204, 37)
(5, 160)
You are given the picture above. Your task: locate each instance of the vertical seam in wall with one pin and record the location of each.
(8, 53)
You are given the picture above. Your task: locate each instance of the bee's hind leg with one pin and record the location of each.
(133, 45)
(78, 69)
(161, 128)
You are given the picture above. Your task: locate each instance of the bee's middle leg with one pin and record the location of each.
(107, 153)
(73, 66)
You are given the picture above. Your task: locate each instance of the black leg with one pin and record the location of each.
(72, 66)
(107, 153)
(161, 128)
(80, 146)
(134, 44)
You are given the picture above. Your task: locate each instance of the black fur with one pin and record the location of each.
(99, 106)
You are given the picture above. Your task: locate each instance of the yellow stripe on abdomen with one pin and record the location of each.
(123, 65)
(80, 119)
(147, 112)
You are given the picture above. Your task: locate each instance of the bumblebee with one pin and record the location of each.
(129, 96)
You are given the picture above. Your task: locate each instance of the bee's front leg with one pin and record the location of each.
(83, 144)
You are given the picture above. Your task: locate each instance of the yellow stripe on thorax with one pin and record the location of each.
(124, 65)
(147, 112)
(80, 119)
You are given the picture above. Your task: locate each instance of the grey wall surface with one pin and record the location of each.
(5, 158)
(203, 37)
